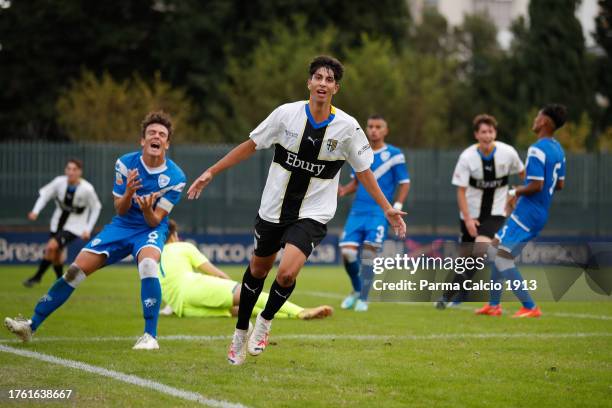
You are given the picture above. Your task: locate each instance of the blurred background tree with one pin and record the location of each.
(103, 109)
(226, 64)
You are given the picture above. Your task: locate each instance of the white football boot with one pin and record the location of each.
(349, 301)
(237, 351)
(259, 340)
(146, 342)
(361, 306)
(20, 327)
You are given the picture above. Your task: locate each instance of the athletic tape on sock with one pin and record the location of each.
(147, 268)
(504, 264)
(349, 254)
(74, 276)
(367, 256)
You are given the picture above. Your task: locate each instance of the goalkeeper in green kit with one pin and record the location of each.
(212, 293)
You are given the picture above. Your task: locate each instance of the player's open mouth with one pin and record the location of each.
(155, 146)
(321, 92)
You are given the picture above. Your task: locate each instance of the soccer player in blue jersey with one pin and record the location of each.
(545, 173)
(366, 226)
(147, 186)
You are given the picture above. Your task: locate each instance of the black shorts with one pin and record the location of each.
(488, 227)
(63, 238)
(305, 234)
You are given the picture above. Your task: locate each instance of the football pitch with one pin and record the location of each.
(395, 355)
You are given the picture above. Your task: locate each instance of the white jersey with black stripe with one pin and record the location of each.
(78, 216)
(486, 178)
(303, 177)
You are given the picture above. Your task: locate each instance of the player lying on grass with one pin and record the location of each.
(147, 187)
(545, 173)
(191, 294)
(311, 141)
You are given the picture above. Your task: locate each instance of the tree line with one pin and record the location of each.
(75, 70)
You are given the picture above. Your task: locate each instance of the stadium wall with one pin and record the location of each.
(230, 204)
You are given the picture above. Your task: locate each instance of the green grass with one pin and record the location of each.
(400, 367)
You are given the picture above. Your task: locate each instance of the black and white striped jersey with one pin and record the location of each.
(76, 209)
(486, 178)
(303, 177)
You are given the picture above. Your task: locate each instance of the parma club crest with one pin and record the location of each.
(331, 145)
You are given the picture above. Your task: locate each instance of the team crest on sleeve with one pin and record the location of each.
(331, 145)
(118, 178)
(163, 180)
(384, 156)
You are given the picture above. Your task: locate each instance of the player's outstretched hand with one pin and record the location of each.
(133, 182)
(195, 189)
(32, 216)
(397, 222)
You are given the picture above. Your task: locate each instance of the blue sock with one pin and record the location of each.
(367, 276)
(496, 277)
(150, 294)
(352, 268)
(513, 274)
(55, 297)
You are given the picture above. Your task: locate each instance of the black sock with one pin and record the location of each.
(42, 268)
(278, 297)
(59, 270)
(460, 295)
(249, 292)
(458, 278)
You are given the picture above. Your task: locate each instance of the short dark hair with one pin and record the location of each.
(76, 162)
(556, 112)
(328, 62)
(484, 118)
(376, 116)
(159, 117)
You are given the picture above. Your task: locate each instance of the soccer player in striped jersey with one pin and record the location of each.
(311, 140)
(481, 177)
(147, 186)
(545, 170)
(366, 225)
(77, 208)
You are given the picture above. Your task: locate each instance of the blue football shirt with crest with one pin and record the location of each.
(168, 180)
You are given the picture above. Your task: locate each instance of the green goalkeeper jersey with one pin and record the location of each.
(178, 261)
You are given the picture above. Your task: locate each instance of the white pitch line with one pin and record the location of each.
(325, 337)
(126, 378)
(331, 295)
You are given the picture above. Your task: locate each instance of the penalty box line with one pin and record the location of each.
(119, 376)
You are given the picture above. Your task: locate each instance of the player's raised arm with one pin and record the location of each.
(44, 195)
(124, 201)
(241, 152)
(394, 216)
